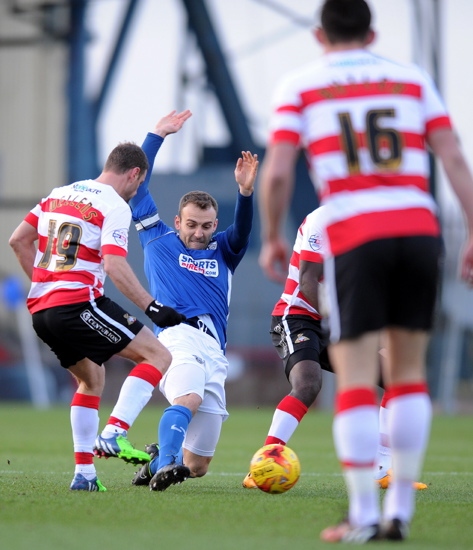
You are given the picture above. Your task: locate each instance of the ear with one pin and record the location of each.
(370, 37)
(177, 222)
(215, 225)
(134, 174)
(320, 36)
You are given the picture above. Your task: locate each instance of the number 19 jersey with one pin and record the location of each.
(77, 224)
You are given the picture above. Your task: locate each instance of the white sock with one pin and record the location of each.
(87, 470)
(356, 436)
(409, 428)
(85, 425)
(134, 395)
(110, 430)
(283, 425)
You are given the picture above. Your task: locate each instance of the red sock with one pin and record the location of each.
(286, 418)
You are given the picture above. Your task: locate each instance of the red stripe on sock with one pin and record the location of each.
(83, 400)
(406, 389)
(84, 458)
(348, 464)
(354, 397)
(293, 406)
(384, 400)
(148, 373)
(114, 421)
(270, 440)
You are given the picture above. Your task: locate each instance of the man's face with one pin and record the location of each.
(196, 226)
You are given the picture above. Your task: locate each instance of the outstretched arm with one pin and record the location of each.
(245, 172)
(245, 175)
(169, 124)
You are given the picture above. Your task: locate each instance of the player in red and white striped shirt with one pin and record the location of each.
(66, 245)
(301, 342)
(365, 123)
(298, 337)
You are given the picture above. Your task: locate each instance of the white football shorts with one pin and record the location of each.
(198, 366)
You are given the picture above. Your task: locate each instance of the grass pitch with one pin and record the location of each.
(38, 511)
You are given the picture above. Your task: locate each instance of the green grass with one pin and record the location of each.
(38, 511)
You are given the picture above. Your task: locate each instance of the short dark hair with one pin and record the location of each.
(200, 198)
(126, 156)
(345, 20)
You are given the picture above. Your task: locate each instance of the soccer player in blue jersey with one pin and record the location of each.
(190, 267)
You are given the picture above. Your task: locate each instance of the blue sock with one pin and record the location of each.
(171, 432)
(154, 464)
(179, 459)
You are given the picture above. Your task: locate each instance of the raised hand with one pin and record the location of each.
(245, 172)
(171, 123)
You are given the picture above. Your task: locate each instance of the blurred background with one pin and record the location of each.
(79, 76)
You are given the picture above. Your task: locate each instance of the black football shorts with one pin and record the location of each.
(297, 338)
(96, 330)
(384, 283)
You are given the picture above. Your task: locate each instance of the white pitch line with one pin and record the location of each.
(319, 474)
(232, 474)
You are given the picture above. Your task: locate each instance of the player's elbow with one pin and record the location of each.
(18, 242)
(446, 147)
(306, 288)
(13, 242)
(23, 237)
(108, 266)
(116, 267)
(111, 264)
(455, 163)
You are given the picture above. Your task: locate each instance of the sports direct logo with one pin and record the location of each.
(208, 268)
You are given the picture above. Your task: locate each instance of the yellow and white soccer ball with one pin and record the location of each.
(275, 468)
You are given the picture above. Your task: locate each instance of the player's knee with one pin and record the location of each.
(198, 470)
(198, 465)
(306, 394)
(90, 388)
(165, 358)
(306, 389)
(90, 378)
(160, 358)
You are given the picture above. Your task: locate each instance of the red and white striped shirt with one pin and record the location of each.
(363, 121)
(308, 247)
(77, 224)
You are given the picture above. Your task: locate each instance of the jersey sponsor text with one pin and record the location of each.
(207, 267)
(95, 324)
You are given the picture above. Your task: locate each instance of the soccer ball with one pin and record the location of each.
(275, 468)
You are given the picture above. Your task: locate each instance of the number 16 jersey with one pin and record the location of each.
(363, 121)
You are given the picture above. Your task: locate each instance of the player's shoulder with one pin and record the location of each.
(406, 70)
(218, 242)
(220, 247)
(316, 216)
(301, 74)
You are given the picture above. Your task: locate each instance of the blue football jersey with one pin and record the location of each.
(194, 282)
